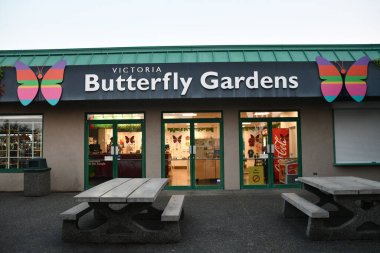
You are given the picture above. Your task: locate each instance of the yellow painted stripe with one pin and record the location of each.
(333, 83)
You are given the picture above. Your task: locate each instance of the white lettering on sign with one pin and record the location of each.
(293, 82)
(212, 84)
(210, 80)
(127, 70)
(119, 84)
(91, 83)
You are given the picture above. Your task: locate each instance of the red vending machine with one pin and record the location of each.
(280, 140)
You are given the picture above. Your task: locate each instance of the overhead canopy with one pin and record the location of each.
(184, 72)
(189, 54)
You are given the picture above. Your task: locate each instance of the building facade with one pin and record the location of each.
(233, 117)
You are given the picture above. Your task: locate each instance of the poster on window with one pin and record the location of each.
(256, 175)
(280, 140)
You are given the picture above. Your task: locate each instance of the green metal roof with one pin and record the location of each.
(184, 54)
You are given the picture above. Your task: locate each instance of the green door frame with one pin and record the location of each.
(269, 121)
(114, 124)
(192, 156)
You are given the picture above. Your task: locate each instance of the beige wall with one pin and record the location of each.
(64, 149)
(231, 148)
(317, 145)
(63, 136)
(11, 182)
(153, 143)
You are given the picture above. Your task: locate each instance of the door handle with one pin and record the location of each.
(114, 150)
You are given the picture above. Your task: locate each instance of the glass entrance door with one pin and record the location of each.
(178, 154)
(206, 154)
(285, 152)
(269, 149)
(255, 153)
(192, 153)
(114, 149)
(129, 150)
(100, 158)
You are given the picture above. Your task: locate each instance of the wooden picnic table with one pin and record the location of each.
(124, 211)
(353, 206)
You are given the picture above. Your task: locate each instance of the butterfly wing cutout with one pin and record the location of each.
(126, 139)
(132, 139)
(251, 141)
(332, 80)
(174, 139)
(354, 82)
(179, 138)
(28, 88)
(50, 88)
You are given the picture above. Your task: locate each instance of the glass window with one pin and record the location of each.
(20, 140)
(356, 138)
(255, 153)
(115, 146)
(286, 114)
(111, 116)
(270, 152)
(193, 115)
(285, 152)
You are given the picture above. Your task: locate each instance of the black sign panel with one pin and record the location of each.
(189, 80)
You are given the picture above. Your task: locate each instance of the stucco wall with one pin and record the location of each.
(153, 142)
(231, 148)
(64, 149)
(318, 146)
(11, 182)
(63, 136)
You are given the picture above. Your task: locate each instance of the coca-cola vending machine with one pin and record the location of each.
(280, 140)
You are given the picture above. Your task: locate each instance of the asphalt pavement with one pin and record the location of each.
(215, 221)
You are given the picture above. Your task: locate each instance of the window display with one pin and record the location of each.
(115, 147)
(192, 153)
(255, 136)
(269, 144)
(20, 140)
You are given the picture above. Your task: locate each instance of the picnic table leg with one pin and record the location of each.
(323, 198)
(339, 211)
(316, 229)
(363, 224)
(136, 222)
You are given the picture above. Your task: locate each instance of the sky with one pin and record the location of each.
(43, 24)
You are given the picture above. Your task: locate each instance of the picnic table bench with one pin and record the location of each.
(123, 208)
(348, 208)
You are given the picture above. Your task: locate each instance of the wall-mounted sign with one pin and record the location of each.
(187, 80)
(353, 79)
(209, 80)
(29, 84)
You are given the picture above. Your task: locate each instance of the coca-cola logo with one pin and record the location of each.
(280, 145)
